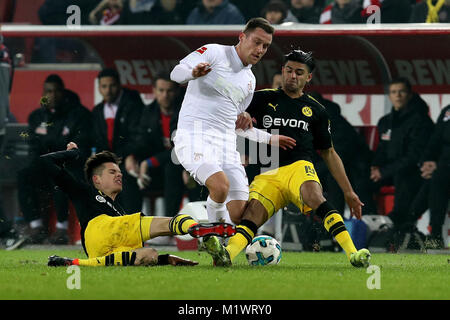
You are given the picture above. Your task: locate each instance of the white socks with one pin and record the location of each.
(39, 223)
(217, 212)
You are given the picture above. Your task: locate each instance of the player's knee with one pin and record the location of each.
(256, 213)
(312, 195)
(218, 188)
(146, 257)
(235, 220)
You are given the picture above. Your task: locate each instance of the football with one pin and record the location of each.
(262, 251)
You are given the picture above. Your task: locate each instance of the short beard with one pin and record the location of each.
(291, 89)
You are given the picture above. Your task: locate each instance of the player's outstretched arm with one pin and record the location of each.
(336, 167)
(284, 142)
(261, 136)
(182, 73)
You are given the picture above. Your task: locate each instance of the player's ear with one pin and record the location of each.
(241, 36)
(95, 179)
(309, 77)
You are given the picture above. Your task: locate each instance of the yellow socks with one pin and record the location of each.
(335, 225)
(244, 235)
(125, 258)
(181, 223)
(346, 242)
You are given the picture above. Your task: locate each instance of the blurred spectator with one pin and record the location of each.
(250, 8)
(60, 119)
(151, 157)
(215, 12)
(136, 12)
(54, 12)
(5, 85)
(435, 169)
(6, 223)
(277, 80)
(403, 135)
(141, 5)
(61, 50)
(68, 50)
(107, 12)
(431, 11)
(342, 12)
(165, 12)
(356, 157)
(153, 12)
(391, 11)
(277, 12)
(306, 11)
(116, 121)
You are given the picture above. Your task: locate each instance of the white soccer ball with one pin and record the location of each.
(262, 251)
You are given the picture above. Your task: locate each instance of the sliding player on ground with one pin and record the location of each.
(111, 237)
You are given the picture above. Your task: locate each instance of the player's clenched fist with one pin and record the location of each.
(202, 69)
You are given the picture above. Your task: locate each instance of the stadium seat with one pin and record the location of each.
(150, 206)
(385, 200)
(74, 228)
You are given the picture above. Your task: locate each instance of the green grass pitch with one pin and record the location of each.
(25, 275)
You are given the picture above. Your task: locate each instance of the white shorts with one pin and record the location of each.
(203, 156)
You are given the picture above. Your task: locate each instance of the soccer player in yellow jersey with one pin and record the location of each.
(110, 236)
(297, 115)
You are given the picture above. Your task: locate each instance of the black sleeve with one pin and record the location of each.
(380, 155)
(83, 134)
(434, 146)
(321, 131)
(35, 140)
(411, 158)
(256, 105)
(133, 124)
(53, 166)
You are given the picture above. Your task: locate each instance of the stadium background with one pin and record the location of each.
(353, 68)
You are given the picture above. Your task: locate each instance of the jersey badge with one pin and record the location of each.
(307, 111)
(100, 199)
(201, 50)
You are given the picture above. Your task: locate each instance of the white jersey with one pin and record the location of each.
(217, 98)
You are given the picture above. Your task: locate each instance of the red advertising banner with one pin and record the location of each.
(354, 64)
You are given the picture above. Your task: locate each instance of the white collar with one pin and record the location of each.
(238, 59)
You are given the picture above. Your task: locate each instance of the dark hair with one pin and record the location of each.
(403, 80)
(54, 78)
(276, 6)
(259, 22)
(302, 57)
(162, 75)
(96, 161)
(109, 73)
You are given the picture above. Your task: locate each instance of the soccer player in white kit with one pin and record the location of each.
(220, 88)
